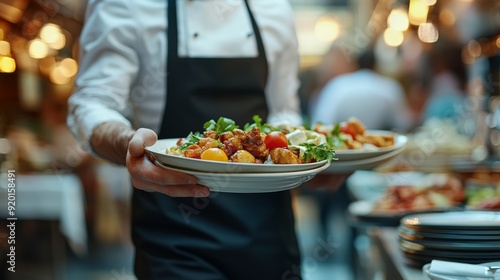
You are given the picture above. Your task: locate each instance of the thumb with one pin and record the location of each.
(143, 137)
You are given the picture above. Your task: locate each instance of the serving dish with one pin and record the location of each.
(157, 152)
(250, 182)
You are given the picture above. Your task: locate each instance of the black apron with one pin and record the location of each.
(224, 236)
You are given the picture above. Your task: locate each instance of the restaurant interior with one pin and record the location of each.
(73, 208)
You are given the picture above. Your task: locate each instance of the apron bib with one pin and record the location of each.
(224, 236)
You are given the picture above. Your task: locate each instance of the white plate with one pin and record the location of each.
(251, 182)
(477, 220)
(343, 166)
(363, 211)
(159, 148)
(435, 276)
(348, 155)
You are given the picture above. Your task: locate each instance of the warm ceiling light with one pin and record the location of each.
(417, 12)
(70, 65)
(38, 49)
(4, 48)
(398, 20)
(393, 38)
(447, 17)
(10, 13)
(59, 43)
(428, 33)
(50, 33)
(7, 64)
(59, 76)
(429, 2)
(474, 48)
(327, 29)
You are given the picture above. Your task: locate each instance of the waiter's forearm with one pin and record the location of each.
(110, 141)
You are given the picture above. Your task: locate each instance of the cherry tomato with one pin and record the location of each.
(276, 139)
(347, 129)
(214, 154)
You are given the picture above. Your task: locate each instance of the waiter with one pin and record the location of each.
(160, 69)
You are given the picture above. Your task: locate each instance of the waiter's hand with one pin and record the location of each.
(149, 177)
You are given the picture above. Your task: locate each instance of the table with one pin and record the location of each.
(50, 196)
(393, 261)
(388, 262)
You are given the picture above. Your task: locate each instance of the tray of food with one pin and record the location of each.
(409, 193)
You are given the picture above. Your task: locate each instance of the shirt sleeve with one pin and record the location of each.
(108, 65)
(283, 82)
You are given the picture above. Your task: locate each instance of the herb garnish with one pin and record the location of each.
(192, 138)
(264, 127)
(317, 152)
(335, 139)
(222, 125)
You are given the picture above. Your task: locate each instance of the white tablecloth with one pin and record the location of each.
(50, 197)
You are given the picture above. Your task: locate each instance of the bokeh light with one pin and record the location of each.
(398, 20)
(7, 64)
(393, 38)
(327, 29)
(38, 49)
(428, 32)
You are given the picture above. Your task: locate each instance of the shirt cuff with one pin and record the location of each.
(83, 128)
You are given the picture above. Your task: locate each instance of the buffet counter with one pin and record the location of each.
(393, 265)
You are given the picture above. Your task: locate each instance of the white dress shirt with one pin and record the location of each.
(122, 74)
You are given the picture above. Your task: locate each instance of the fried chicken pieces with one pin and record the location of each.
(354, 135)
(241, 146)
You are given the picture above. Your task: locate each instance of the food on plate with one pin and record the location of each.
(436, 191)
(447, 138)
(489, 204)
(483, 195)
(352, 135)
(258, 142)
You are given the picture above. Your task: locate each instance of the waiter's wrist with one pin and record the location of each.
(110, 141)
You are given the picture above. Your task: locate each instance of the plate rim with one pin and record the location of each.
(434, 276)
(243, 175)
(379, 150)
(297, 178)
(227, 167)
(407, 220)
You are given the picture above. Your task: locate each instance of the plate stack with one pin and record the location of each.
(462, 236)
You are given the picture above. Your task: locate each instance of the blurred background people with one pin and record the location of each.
(376, 100)
(336, 61)
(445, 82)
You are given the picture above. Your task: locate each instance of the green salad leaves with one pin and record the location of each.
(311, 151)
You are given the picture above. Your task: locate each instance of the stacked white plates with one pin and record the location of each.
(236, 177)
(353, 160)
(461, 236)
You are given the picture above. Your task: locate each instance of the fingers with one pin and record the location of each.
(142, 138)
(149, 177)
(145, 170)
(174, 190)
